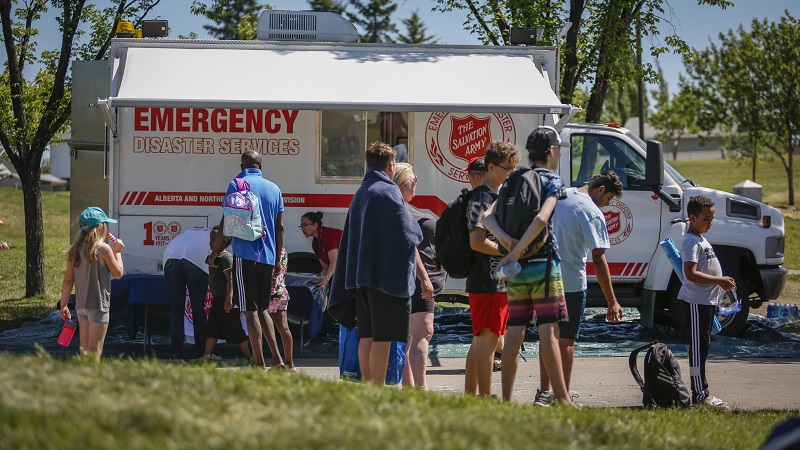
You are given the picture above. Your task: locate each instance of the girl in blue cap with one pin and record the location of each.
(90, 265)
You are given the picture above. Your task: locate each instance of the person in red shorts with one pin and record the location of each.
(325, 243)
(488, 302)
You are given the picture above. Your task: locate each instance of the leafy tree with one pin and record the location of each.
(34, 110)
(675, 117)
(602, 34)
(416, 31)
(231, 19)
(622, 99)
(750, 82)
(337, 6)
(374, 17)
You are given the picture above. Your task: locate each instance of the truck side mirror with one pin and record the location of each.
(654, 167)
(654, 174)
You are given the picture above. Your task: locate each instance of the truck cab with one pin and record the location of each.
(748, 236)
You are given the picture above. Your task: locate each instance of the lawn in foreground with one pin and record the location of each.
(53, 403)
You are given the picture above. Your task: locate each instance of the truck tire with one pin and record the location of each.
(680, 321)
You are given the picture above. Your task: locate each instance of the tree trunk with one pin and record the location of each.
(790, 173)
(34, 230)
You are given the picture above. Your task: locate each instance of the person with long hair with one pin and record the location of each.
(90, 265)
(325, 243)
(421, 329)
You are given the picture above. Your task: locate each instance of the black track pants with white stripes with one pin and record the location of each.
(699, 331)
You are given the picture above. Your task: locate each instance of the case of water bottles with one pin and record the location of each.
(781, 311)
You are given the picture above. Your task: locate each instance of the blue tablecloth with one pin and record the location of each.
(307, 300)
(137, 289)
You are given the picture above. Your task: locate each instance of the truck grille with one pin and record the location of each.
(743, 209)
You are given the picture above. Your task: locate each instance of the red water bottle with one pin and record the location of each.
(66, 333)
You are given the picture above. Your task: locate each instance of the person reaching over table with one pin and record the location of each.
(325, 244)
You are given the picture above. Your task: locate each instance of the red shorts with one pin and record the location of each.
(489, 311)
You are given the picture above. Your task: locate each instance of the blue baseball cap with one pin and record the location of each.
(92, 217)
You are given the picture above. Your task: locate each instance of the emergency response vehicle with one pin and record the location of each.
(159, 129)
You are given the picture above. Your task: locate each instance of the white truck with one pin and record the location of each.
(159, 128)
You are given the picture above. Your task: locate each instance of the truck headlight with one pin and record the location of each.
(773, 247)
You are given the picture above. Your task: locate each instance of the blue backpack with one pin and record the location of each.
(241, 217)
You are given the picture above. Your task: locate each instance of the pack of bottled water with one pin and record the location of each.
(729, 304)
(781, 311)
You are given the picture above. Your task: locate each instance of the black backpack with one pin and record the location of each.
(662, 386)
(453, 252)
(518, 203)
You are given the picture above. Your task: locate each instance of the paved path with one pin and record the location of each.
(757, 383)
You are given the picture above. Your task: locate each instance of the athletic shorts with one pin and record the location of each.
(422, 305)
(223, 325)
(279, 302)
(92, 316)
(527, 303)
(489, 311)
(576, 303)
(252, 284)
(381, 316)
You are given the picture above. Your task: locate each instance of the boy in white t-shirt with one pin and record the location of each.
(700, 294)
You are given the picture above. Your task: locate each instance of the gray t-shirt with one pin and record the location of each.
(580, 227)
(698, 250)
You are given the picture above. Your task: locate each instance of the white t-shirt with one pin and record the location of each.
(698, 250)
(580, 227)
(192, 245)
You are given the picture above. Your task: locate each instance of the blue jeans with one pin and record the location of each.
(181, 274)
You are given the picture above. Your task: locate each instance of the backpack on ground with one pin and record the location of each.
(662, 386)
(241, 216)
(453, 252)
(518, 202)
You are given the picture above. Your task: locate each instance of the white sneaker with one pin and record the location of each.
(543, 398)
(213, 357)
(712, 402)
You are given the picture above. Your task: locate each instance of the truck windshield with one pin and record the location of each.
(670, 170)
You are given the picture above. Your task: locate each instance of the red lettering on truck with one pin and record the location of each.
(236, 120)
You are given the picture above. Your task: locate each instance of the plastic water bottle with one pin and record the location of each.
(716, 327)
(772, 311)
(784, 310)
(729, 304)
(66, 333)
(508, 271)
(674, 256)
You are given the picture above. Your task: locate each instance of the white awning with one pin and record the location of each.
(320, 78)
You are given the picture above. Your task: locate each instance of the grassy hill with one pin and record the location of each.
(121, 404)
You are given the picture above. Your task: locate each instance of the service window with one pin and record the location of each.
(592, 154)
(345, 135)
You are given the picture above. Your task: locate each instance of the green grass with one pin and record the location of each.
(51, 403)
(14, 308)
(723, 174)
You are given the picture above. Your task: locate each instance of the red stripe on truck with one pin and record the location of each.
(620, 269)
(290, 200)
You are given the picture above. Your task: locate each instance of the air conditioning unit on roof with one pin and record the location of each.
(323, 26)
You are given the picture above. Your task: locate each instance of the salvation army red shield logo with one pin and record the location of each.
(453, 139)
(619, 221)
(469, 136)
(612, 221)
